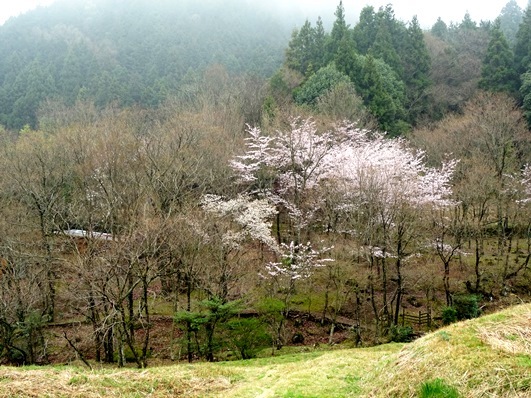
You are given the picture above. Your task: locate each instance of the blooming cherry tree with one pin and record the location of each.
(293, 163)
(383, 187)
(355, 159)
(526, 182)
(364, 162)
(259, 155)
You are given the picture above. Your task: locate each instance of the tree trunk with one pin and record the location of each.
(476, 266)
(94, 319)
(384, 290)
(147, 326)
(188, 322)
(446, 282)
(398, 289)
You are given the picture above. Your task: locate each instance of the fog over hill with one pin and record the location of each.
(298, 10)
(139, 52)
(133, 52)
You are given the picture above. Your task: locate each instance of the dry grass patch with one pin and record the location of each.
(462, 356)
(514, 338)
(73, 382)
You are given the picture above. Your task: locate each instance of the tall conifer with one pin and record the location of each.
(339, 30)
(522, 49)
(417, 65)
(498, 72)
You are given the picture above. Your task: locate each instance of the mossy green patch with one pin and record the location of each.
(524, 360)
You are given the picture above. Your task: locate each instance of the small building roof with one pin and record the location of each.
(81, 233)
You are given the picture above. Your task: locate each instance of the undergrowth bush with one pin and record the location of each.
(467, 306)
(402, 334)
(248, 336)
(449, 315)
(464, 307)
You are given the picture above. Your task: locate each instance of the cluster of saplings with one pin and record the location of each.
(228, 208)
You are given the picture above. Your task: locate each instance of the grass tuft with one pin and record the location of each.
(437, 388)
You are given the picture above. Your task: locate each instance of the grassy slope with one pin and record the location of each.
(487, 357)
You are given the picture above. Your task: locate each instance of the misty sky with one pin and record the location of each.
(427, 11)
(12, 8)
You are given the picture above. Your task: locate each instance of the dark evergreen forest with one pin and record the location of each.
(142, 53)
(129, 53)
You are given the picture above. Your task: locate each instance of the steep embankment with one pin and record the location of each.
(486, 357)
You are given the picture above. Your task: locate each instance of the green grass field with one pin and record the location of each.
(485, 357)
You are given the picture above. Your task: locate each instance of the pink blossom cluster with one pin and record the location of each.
(356, 160)
(297, 261)
(252, 217)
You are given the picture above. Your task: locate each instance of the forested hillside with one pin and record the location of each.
(131, 53)
(190, 182)
(406, 77)
(142, 53)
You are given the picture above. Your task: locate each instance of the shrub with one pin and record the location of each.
(319, 84)
(467, 306)
(201, 334)
(402, 334)
(449, 315)
(248, 336)
(272, 312)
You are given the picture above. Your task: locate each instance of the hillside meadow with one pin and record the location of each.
(485, 357)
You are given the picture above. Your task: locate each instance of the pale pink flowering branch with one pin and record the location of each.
(297, 261)
(252, 216)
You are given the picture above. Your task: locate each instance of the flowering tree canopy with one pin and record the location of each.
(526, 181)
(368, 175)
(297, 261)
(354, 159)
(251, 216)
(364, 162)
